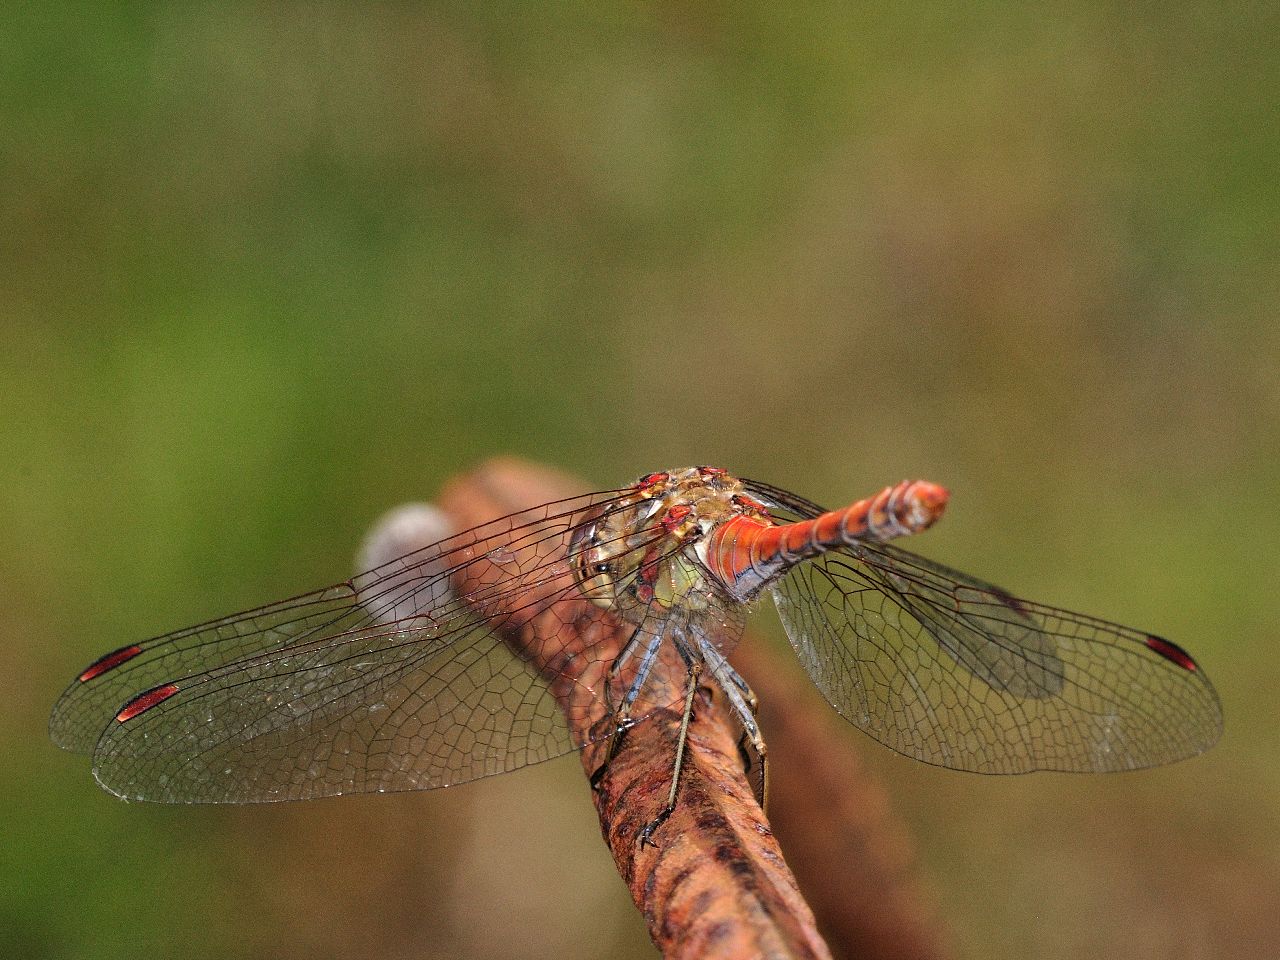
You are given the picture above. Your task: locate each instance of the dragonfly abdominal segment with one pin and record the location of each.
(749, 551)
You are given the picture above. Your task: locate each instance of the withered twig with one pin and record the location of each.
(717, 884)
(852, 855)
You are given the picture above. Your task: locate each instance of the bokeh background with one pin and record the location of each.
(267, 270)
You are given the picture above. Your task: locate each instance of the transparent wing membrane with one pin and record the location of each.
(529, 636)
(371, 710)
(385, 682)
(953, 671)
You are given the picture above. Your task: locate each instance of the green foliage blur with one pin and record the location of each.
(268, 270)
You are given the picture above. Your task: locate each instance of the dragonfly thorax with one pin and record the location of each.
(642, 551)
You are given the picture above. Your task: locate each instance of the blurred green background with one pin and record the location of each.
(268, 270)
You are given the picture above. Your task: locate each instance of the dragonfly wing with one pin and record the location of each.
(946, 671)
(951, 670)
(386, 682)
(94, 696)
(376, 710)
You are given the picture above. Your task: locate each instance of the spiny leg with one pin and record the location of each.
(621, 660)
(737, 681)
(622, 715)
(745, 704)
(646, 834)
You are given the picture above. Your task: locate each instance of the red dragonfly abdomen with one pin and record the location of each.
(746, 551)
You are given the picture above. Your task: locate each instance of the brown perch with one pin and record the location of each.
(716, 884)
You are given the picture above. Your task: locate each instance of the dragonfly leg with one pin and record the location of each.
(621, 660)
(729, 677)
(646, 834)
(622, 715)
(745, 704)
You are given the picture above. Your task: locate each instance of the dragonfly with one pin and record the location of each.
(474, 655)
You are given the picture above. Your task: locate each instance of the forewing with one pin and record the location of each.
(82, 712)
(954, 671)
(374, 710)
(385, 682)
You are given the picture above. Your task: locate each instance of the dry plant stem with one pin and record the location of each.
(852, 855)
(715, 884)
